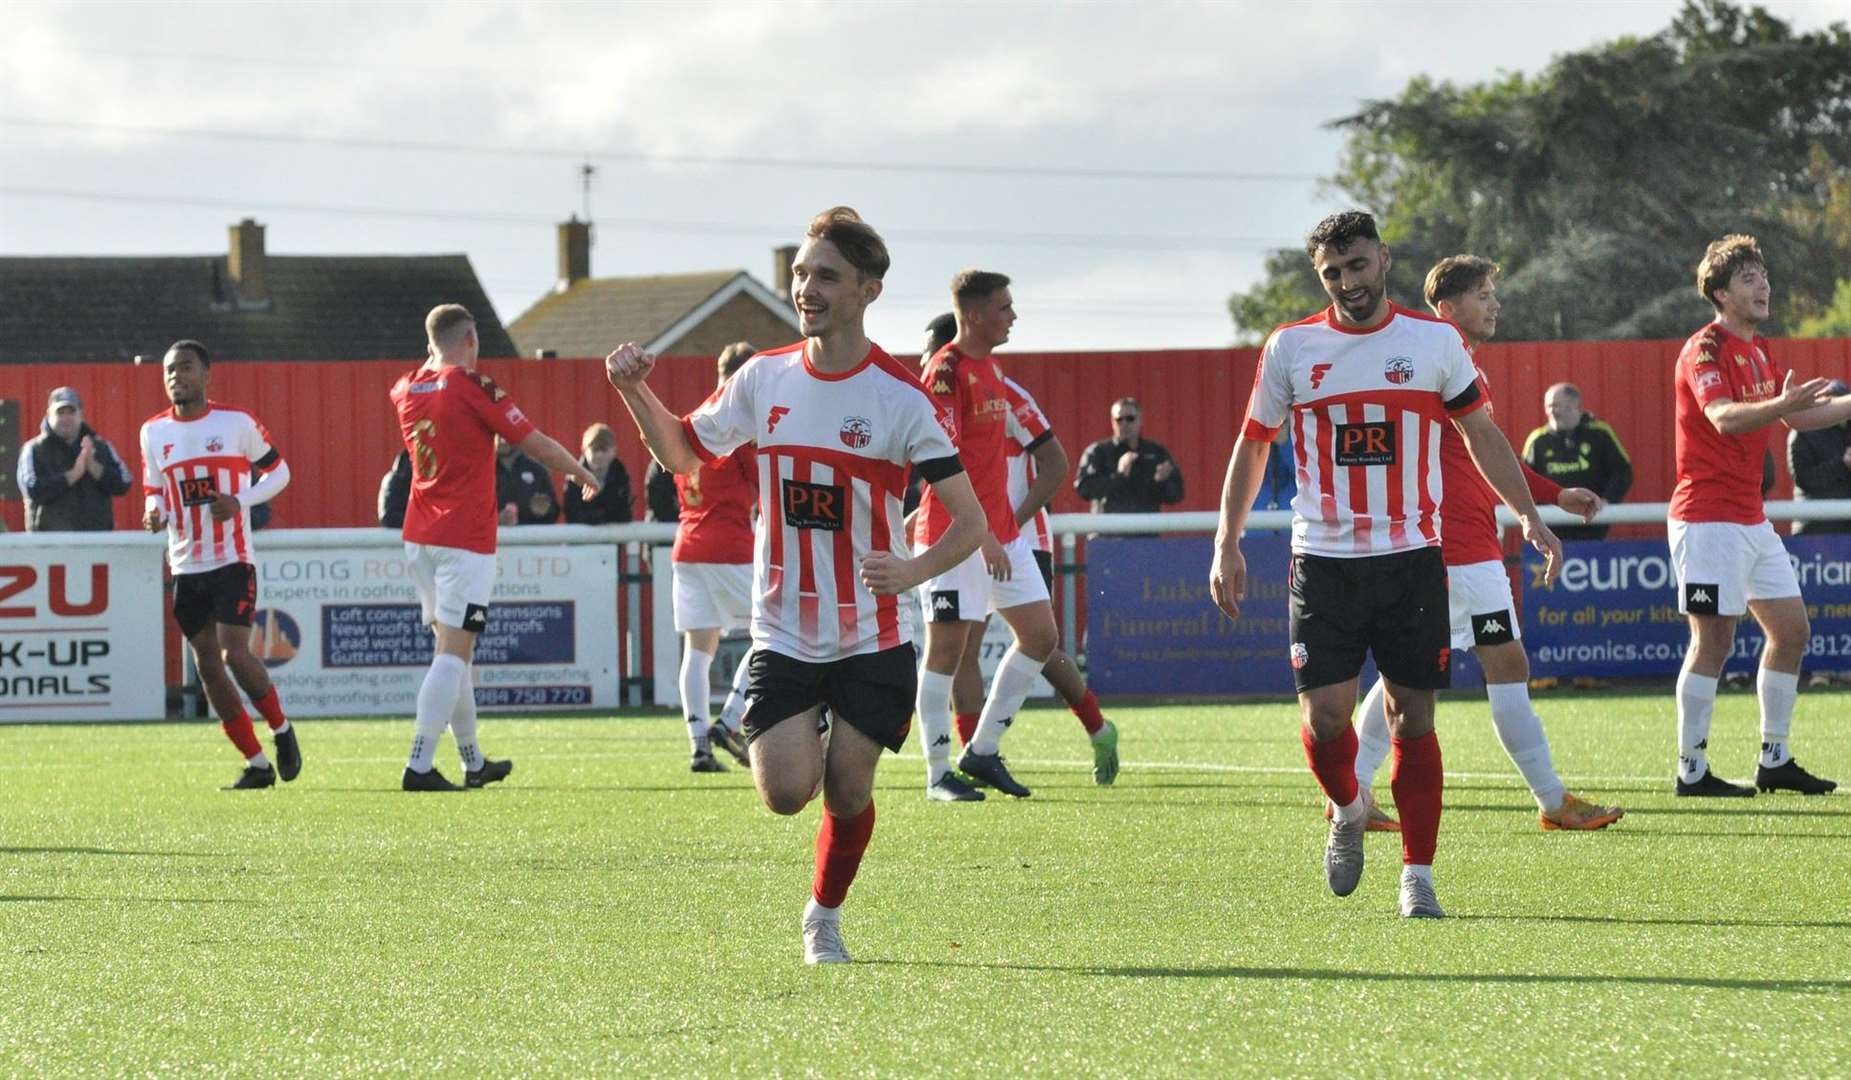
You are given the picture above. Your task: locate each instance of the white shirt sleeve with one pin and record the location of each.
(1460, 374)
(728, 419)
(152, 486)
(1270, 404)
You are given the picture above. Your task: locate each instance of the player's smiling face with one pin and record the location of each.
(1746, 297)
(185, 377)
(828, 292)
(1355, 278)
(1475, 311)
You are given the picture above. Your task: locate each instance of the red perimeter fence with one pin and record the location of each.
(333, 422)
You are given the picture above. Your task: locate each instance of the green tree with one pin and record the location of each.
(1597, 182)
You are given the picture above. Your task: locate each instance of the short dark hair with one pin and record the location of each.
(940, 331)
(734, 357)
(445, 322)
(187, 344)
(1342, 229)
(1456, 275)
(1722, 259)
(854, 238)
(969, 286)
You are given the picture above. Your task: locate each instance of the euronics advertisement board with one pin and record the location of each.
(342, 633)
(1613, 611)
(81, 625)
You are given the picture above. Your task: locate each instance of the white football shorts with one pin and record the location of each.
(1721, 566)
(712, 596)
(1483, 613)
(453, 585)
(968, 592)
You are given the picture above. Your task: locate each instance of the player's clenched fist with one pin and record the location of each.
(152, 520)
(886, 575)
(628, 365)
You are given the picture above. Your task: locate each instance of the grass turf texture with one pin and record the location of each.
(604, 910)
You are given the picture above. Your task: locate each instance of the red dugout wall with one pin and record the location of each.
(335, 425)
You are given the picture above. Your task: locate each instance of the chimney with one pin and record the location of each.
(246, 264)
(781, 259)
(574, 253)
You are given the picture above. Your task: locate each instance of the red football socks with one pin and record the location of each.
(1088, 712)
(1333, 763)
(967, 727)
(242, 735)
(840, 843)
(271, 707)
(1418, 781)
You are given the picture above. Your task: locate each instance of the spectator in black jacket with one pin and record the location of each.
(1128, 474)
(523, 487)
(395, 492)
(1576, 450)
(611, 505)
(68, 473)
(660, 500)
(1820, 461)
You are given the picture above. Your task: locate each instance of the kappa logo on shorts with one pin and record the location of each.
(475, 618)
(1399, 370)
(813, 506)
(1300, 655)
(945, 606)
(1701, 599)
(1492, 628)
(1371, 443)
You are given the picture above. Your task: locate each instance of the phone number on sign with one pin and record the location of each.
(532, 695)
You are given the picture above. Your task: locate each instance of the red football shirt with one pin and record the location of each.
(972, 400)
(1719, 476)
(449, 417)
(716, 510)
(1469, 530)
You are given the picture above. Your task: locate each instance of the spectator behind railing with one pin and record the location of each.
(395, 492)
(1128, 474)
(523, 488)
(1820, 461)
(611, 505)
(1576, 450)
(68, 473)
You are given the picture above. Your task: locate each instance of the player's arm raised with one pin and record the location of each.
(1497, 462)
(628, 368)
(1824, 412)
(1227, 575)
(886, 574)
(1797, 404)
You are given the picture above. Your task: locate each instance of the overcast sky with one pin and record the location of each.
(1127, 164)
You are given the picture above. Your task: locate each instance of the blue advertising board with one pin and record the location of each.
(1613, 611)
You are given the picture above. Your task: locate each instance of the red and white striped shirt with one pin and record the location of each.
(1028, 428)
(833, 452)
(186, 463)
(1368, 409)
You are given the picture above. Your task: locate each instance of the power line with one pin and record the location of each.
(1098, 241)
(1059, 172)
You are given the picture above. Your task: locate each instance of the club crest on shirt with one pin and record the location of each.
(214, 445)
(1398, 370)
(856, 432)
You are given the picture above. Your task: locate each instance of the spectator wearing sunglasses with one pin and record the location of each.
(1127, 473)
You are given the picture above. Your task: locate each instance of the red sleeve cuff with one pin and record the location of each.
(700, 450)
(1258, 432)
(1542, 489)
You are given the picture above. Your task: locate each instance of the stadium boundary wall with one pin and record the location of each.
(335, 425)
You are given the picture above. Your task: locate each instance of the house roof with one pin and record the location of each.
(656, 311)
(321, 307)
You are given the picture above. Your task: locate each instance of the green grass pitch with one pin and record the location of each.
(606, 912)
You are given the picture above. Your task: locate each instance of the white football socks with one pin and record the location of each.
(1015, 677)
(436, 703)
(933, 704)
(1696, 700)
(696, 699)
(1372, 742)
(1520, 730)
(1357, 809)
(463, 726)
(1778, 691)
(733, 713)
